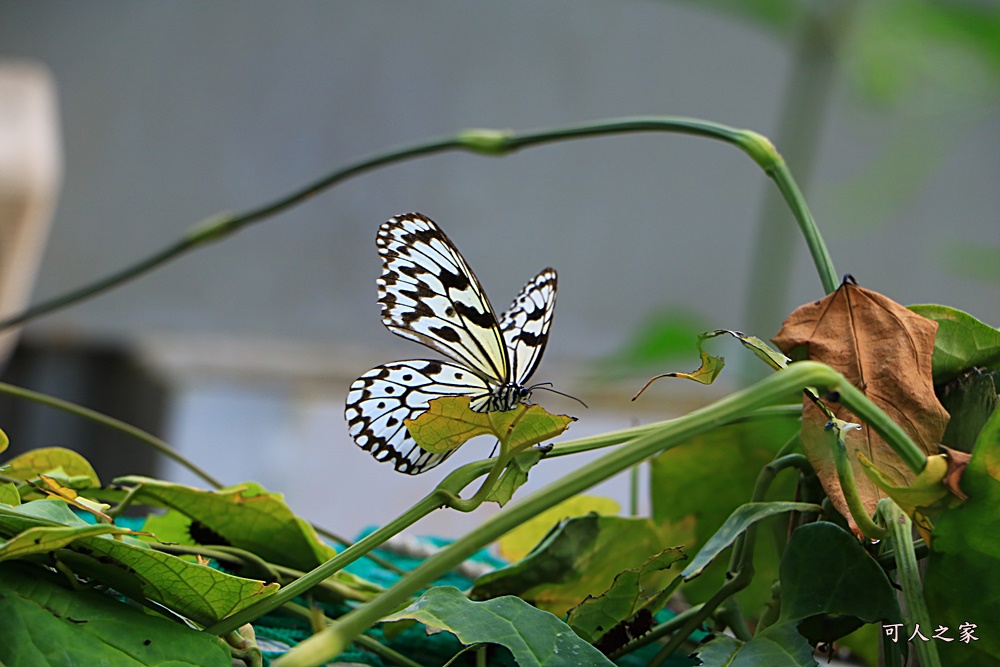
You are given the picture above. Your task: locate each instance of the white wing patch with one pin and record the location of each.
(429, 295)
(382, 398)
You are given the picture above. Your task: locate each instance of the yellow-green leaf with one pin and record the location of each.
(9, 494)
(448, 423)
(514, 476)
(4, 441)
(43, 539)
(59, 462)
(527, 425)
(922, 498)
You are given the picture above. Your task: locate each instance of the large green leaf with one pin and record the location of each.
(129, 566)
(777, 646)
(246, 516)
(536, 638)
(45, 625)
(961, 585)
(737, 524)
(695, 487)
(962, 342)
(831, 585)
(580, 557)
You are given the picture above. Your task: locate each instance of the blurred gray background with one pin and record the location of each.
(172, 112)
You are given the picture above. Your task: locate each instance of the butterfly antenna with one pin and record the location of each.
(547, 386)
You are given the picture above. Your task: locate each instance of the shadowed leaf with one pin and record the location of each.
(536, 638)
(960, 584)
(633, 591)
(46, 625)
(580, 557)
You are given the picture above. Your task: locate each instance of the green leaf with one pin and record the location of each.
(129, 566)
(246, 516)
(580, 557)
(718, 652)
(962, 342)
(694, 488)
(773, 358)
(959, 586)
(777, 646)
(527, 425)
(42, 540)
(4, 441)
(45, 625)
(9, 494)
(447, 424)
(633, 591)
(737, 523)
(536, 638)
(514, 476)
(831, 585)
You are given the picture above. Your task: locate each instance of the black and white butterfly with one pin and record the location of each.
(430, 295)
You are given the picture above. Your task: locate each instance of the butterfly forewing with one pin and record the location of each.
(382, 398)
(430, 295)
(525, 325)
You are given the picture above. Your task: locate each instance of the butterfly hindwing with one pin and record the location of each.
(430, 295)
(382, 398)
(525, 325)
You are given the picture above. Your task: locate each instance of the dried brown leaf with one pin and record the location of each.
(884, 350)
(957, 462)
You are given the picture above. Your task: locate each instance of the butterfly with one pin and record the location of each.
(429, 294)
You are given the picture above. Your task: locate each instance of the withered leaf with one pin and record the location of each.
(884, 350)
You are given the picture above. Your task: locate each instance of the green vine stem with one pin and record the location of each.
(336, 638)
(112, 423)
(483, 142)
(845, 475)
(900, 530)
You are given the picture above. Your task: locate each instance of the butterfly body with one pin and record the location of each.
(429, 294)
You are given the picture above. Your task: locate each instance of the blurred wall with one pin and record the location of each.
(175, 111)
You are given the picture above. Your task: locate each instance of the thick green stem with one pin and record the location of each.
(112, 423)
(485, 142)
(337, 637)
(900, 530)
(845, 476)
